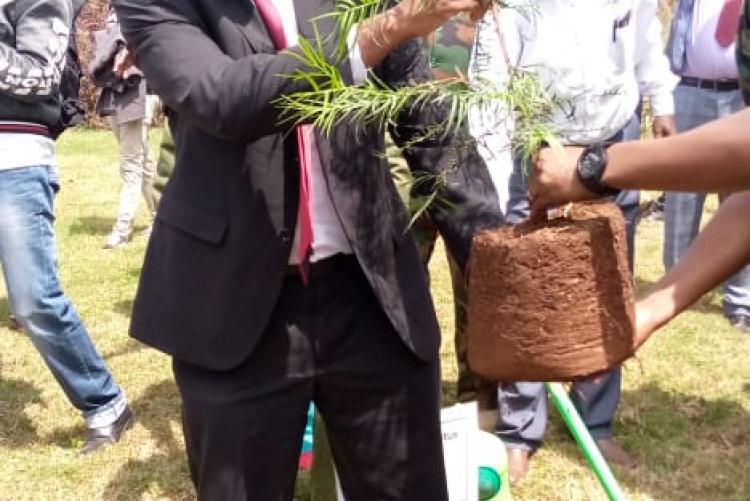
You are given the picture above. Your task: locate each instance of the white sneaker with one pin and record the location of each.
(116, 240)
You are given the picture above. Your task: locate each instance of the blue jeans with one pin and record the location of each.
(523, 406)
(682, 211)
(29, 259)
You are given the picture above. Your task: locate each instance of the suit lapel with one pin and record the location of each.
(251, 25)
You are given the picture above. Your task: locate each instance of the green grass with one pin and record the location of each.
(685, 412)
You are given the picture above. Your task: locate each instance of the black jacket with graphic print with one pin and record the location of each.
(33, 40)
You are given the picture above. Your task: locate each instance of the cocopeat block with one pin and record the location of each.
(552, 300)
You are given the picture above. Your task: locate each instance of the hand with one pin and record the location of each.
(664, 126)
(422, 17)
(554, 179)
(124, 60)
(384, 33)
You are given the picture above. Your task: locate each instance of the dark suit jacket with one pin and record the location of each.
(217, 256)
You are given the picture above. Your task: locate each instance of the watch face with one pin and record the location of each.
(591, 164)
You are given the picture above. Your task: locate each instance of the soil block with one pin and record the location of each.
(551, 300)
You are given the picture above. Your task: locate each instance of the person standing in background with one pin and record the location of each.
(125, 103)
(34, 38)
(598, 59)
(701, 50)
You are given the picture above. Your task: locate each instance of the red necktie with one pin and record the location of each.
(728, 24)
(275, 28)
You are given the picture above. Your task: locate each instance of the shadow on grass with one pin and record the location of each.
(92, 225)
(165, 471)
(128, 347)
(16, 429)
(123, 307)
(687, 447)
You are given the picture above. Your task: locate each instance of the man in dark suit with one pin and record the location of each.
(257, 323)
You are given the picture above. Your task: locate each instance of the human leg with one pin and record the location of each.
(597, 398)
(243, 427)
(736, 288)
(132, 157)
(682, 217)
(523, 407)
(381, 404)
(29, 260)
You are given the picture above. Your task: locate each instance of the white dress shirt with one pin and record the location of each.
(601, 57)
(328, 234)
(705, 58)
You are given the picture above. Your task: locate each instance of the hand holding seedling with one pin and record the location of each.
(383, 33)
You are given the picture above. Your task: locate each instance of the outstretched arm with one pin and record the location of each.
(721, 249)
(711, 158)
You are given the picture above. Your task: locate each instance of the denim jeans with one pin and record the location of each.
(523, 406)
(682, 211)
(29, 260)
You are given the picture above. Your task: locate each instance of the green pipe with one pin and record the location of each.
(582, 436)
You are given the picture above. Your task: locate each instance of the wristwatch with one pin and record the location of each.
(591, 166)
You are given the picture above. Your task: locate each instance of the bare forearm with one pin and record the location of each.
(380, 36)
(714, 157)
(720, 250)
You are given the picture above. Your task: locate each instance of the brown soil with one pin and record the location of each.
(551, 301)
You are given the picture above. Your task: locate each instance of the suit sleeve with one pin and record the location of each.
(226, 97)
(468, 200)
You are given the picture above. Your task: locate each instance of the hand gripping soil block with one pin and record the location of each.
(551, 301)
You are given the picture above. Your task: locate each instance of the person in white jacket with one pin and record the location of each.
(598, 59)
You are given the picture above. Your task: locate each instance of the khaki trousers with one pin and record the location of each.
(137, 173)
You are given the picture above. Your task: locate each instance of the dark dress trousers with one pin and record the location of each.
(251, 344)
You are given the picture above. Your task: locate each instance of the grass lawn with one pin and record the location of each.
(685, 411)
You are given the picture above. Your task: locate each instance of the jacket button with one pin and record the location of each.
(285, 234)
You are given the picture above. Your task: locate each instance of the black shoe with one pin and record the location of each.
(97, 438)
(740, 322)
